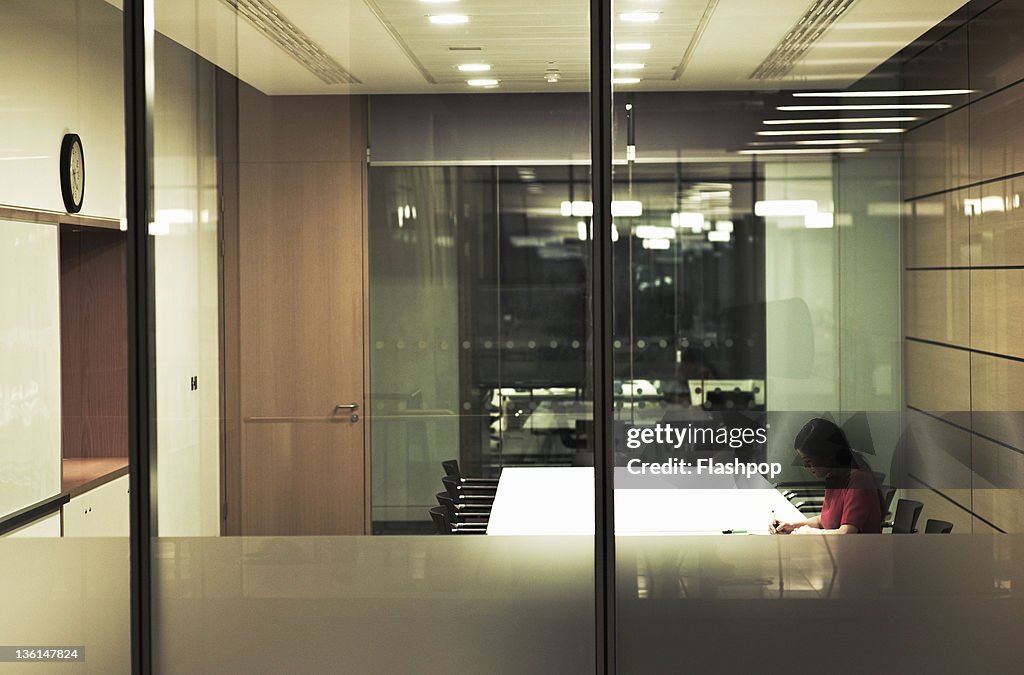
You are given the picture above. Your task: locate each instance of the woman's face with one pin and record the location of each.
(816, 469)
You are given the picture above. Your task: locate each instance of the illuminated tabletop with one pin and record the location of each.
(560, 500)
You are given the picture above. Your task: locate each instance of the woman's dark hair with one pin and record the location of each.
(826, 444)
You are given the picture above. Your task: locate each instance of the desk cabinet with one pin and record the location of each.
(100, 512)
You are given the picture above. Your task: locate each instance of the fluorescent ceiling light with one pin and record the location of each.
(654, 232)
(625, 80)
(694, 221)
(785, 207)
(867, 106)
(628, 66)
(873, 94)
(656, 244)
(627, 208)
(639, 17)
(585, 209)
(833, 120)
(448, 19)
(474, 67)
(825, 132)
(582, 231)
(816, 141)
(633, 46)
(719, 236)
(818, 221)
(482, 83)
(723, 225)
(802, 151)
(835, 141)
(577, 209)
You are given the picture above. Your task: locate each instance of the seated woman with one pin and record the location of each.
(853, 502)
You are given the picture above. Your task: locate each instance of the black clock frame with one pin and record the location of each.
(66, 192)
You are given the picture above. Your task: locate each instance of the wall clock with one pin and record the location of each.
(72, 172)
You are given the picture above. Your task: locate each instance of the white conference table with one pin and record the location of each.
(560, 501)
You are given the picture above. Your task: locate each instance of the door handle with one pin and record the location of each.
(349, 406)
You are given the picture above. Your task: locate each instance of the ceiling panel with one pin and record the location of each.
(391, 46)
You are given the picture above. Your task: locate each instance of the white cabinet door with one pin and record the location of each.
(100, 512)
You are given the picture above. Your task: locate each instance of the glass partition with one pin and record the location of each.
(805, 344)
(362, 271)
(63, 339)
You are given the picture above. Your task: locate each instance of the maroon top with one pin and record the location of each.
(852, 499)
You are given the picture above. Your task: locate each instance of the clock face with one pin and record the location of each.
(77, 173)
(72, 172)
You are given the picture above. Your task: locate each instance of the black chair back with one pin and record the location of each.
(889, 494)
(907, 513)
(932, 526)
(451, 468)
(441, 522)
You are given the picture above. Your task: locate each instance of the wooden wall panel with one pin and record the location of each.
(974, 219)
(935, 156)
(938, 378)
(997, 229)
(997, 311)
(936, 306)
(997, 135)
(94, 342)
(997, 59)
(997, 393)
(999, 485)
(938, 454)
(937, 232)
(939, 507)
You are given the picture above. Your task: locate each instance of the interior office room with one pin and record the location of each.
(412, 336)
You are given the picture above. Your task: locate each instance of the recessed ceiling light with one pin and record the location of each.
(802, 151)
(482, 83)
(633, 46)
(625, 80)
(868, 106)
(823, 132)
(448, 19)
(834, 120)
(872, 94)
(474, 67)
(640, 17)
(816, 141)
(628, 66)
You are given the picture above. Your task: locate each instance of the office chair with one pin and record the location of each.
(905, 520)
(440, 518)
(467, 494)
(451, 469)
(462, 512)
(889, 494)
(932, 526)
(446, 522)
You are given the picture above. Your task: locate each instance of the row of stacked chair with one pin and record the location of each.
(465, 505)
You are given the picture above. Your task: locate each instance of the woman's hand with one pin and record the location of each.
(778, 527)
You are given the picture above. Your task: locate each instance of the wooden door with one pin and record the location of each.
(299, 466)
